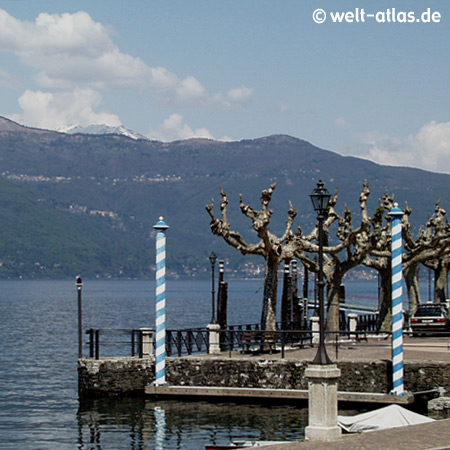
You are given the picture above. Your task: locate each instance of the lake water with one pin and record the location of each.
(39, 407)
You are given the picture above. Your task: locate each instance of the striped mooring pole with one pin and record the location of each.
(79, 283)
(160, 344)
(160, 427)
(397, 304)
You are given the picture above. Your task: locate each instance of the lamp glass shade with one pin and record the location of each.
(212, 258)
(320, 197)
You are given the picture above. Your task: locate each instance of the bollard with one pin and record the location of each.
(146, 342)
(352, 323)
(214, 338)
(315, 328)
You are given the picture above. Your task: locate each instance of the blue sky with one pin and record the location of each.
(235, 70)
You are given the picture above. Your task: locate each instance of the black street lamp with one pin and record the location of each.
(212, 260)
(320, 198)
(79, 284)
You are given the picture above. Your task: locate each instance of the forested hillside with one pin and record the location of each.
(86, 203)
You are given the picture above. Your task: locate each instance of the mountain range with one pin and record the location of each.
(86, 203)
(102, 129)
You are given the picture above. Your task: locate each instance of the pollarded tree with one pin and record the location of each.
(439, 226)
(428, 246)
(441, 267)
(379, 258)
(432, 249)
(338, 259)
(272, 248)
(354, 244)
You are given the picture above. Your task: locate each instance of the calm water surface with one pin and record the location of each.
(39, 407)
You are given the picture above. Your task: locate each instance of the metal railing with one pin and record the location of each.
(126, 342)
(116, 340)
(121, 342)
(188, 341)
(264, 340)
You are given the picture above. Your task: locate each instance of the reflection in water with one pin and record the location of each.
(140, 424)
(160, 423)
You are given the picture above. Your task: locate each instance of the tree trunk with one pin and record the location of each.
(440, 282)
(411, 274)
(269, 312)
(286, 299)
(385, 302)
(333, 303)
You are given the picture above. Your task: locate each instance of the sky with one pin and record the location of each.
(375, 85)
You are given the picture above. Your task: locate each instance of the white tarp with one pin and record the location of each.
(388, 417)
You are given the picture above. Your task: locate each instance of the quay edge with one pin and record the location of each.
(127, 376)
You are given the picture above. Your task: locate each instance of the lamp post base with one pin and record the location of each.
(322, 403)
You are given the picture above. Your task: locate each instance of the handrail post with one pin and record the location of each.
(189, 342)
(179, 342)
(97, 343)
(141, 343)
(169, 340)
(91, 343)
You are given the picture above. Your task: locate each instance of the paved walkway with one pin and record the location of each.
(429, 436)
(435, 435)
(376, 348)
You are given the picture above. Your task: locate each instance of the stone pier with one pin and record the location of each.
(130, 376)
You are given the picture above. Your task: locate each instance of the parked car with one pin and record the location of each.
(430, 318)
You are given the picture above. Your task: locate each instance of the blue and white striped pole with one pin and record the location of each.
(397, 304)
(160, 351)
(160, 428)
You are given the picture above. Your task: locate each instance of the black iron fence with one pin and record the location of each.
(121, 342)
(187, 342)
(367, 322)
(140, 342)
(115, 342)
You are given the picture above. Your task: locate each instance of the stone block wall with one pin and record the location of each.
(129, 376)
(114, 376)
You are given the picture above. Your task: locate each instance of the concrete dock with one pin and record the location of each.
(377, 347)
(429, 436)
(415, 349)
(242, 394)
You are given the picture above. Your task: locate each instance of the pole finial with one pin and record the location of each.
(395, 211)
(161, 225)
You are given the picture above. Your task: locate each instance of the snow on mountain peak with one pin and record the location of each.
(101, 129)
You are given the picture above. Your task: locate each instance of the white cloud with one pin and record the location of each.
(8, 81)
(341, 122)
(428, 149)
(71, 50)
(234, 98)
(56, 110)
(68, 52)
(173, 128)
(283, 108)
